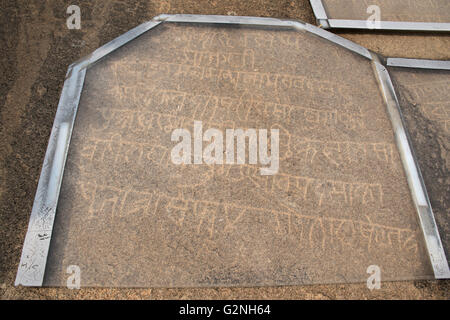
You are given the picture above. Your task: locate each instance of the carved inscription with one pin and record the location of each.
(106, 202)
(330, 208)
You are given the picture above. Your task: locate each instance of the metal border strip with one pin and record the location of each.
(116, 43)
(318, 9)
(260, 21)
(37, 240)
(390, 25)
(31, 268)
(418, 63)
(416, 183)
(241, 20)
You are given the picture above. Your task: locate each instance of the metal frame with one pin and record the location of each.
(327, 23)
(33, 261)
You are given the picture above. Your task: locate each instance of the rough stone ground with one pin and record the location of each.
(36, 48)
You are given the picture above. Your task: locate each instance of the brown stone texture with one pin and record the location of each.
(36, 49)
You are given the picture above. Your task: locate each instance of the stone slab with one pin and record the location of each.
(129, 217)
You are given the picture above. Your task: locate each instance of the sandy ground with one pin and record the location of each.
(36, 48)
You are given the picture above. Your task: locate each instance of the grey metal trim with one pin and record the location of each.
(301, 26)
(197, 18)
(419, 194)
(418, 63)
(318, 9)
(37, 241)
(389, 25)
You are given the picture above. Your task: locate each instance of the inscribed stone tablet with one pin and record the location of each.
(337, 202)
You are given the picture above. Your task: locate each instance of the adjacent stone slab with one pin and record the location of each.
(128, 216)
(433, 11)
(424, 98)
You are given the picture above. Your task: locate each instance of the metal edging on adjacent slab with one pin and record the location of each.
(320, 13)
(389, 25)
(418, 63)
(419, 194)
(327, 22)
(318, 9)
